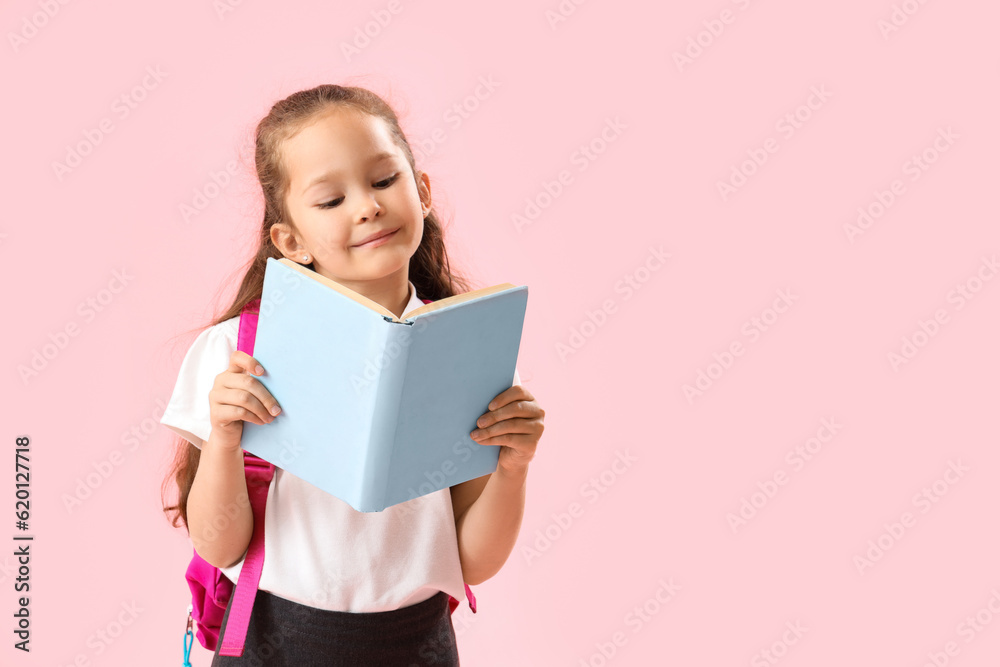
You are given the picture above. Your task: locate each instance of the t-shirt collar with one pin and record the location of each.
(414, 301)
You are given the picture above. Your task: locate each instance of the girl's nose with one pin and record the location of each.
(370, 208)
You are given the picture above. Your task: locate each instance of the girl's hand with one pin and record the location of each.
(236, 397)
(514, 422)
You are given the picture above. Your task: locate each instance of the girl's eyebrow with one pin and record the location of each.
(378, 157)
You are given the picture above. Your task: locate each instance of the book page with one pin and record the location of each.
(379, 308)
(458, 298)
(346, 291)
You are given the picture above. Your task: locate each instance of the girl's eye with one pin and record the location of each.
(381, 185)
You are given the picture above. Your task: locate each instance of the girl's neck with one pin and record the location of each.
(391, 292)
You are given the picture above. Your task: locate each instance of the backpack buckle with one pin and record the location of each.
(188, 638)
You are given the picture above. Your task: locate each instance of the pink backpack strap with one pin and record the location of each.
(259, 473)
(248, 327)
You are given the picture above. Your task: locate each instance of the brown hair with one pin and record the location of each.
(429, 270)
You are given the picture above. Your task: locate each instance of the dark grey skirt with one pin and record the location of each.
(285, 633)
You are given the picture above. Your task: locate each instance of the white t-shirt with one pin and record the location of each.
(318, 550)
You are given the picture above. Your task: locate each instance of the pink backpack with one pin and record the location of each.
(210, 588)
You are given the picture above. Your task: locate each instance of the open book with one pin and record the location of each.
(375, 409)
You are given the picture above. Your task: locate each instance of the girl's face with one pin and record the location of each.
(349, 181)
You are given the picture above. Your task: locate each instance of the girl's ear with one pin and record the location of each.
(284, 240)
(424, 190)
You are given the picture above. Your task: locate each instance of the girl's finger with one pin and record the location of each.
(239, 380)
(518, 442)
(513, 426)
(241, 362)
(230, 413)
(515, 393)
(247, 399)
(509, 411)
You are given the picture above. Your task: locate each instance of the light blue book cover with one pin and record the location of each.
(377, 410)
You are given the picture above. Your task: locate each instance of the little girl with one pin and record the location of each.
(342, 196)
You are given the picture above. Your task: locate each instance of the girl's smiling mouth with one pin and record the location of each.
(376, 239)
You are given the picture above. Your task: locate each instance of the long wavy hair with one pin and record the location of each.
(429, 270)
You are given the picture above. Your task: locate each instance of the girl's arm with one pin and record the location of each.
(488, 528)
(489, 509)
(220, 519)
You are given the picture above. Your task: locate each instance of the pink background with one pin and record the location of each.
(589, 597)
